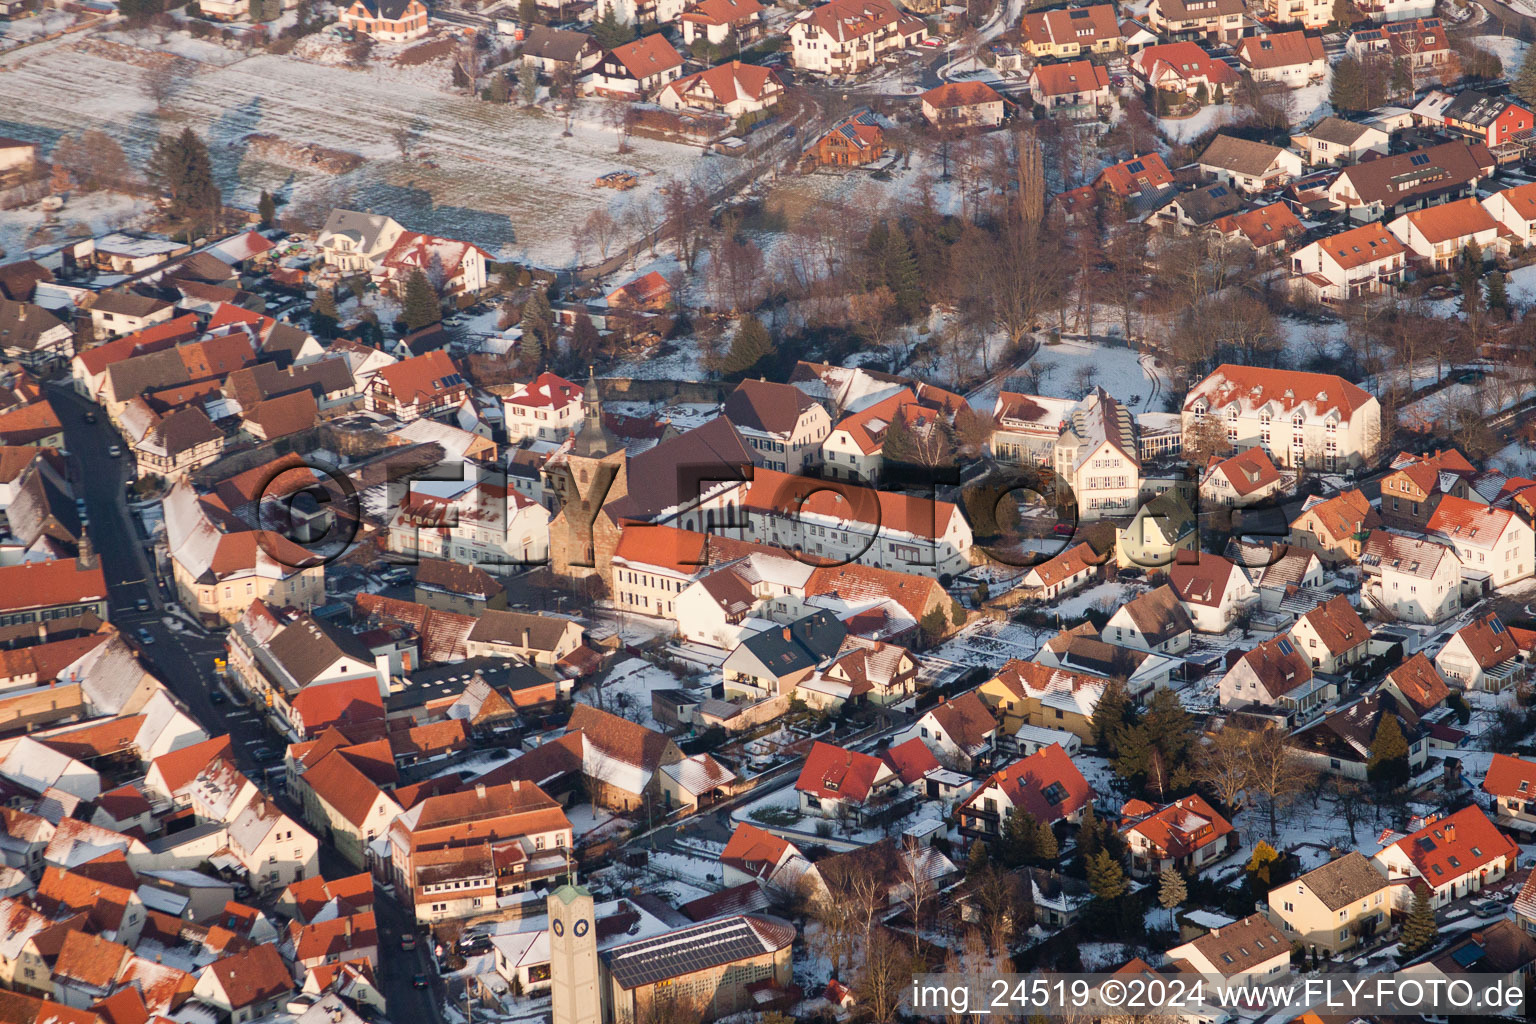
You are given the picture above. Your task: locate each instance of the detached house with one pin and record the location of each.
(547, 408)
(1266, 230)
(1248, 165)
(1185, 835)
(1365, 260)
(855, 140)
(1027, 426)
(1249, 950)
(1138, 187)
(1417, 684)
(845, 37)
(838, 783)
(1334, 140)
(637, 69)
(1416, 580)
(1213, 590)
(388, 21)
(246, 986)
(1334, 907)
(1244, 479)
(1412, 491)
(715, 21)
(1455, 855)
(1335, 528)
(1496, 547)
(459, 266)
(1332, 635)
(960, 732)
(1215, 20)
(1098, 456)
(556, 50)
(1160, 529)
(1438, 236)
(1290, 58)
(962, 105)
(1063, 573)
(1485, 654)
(1045, 785)
(731, 89)
(781, 422)
(1515, 208)
(1155, 621)
(1275, 674)
(1511, 785)
(1078, 89)
(1306, 13)
(417, 387)
(1072, 31)
(1340, 743)
(1183, 68)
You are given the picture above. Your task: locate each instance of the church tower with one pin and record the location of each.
(581, 539)
(573, 971)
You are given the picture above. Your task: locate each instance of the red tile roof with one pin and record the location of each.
(1071, 77)
(1121, 179)
(254, 976)
(1280, 50)
(647, 56)
(1180, 828)
(1082, 25)
(1420, 682)
(1432, 848)
(832, 773)
(1255, 386)
(1263, 227)
(911, 760)
(61, 581)
(352, 704)
(1459, 219)
(1026, 782)
(421, 378)
(753, 851)
(961, 94)
(1359, 246)
(180, 767)
(1511, 776)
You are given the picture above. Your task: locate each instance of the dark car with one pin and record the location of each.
(90, 417)
(474, 943)
(420, 981)
(142, 604)
(262, 755)
(217, 697)
(145, 637)
(408, 943)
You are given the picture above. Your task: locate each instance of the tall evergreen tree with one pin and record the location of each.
(1420, 930)
(421, 307)
(750, 349)
(609, 31)
(1047, 849)
(1171, 892)
(180, 168)
(1469, 275)
(323, 317)
(1348, 89)
(584, 340)
(539, 320)
(1021, 839)
(1114, 710)
(901, 275)
(1134, 752)
(266, 209)
(1524, 85)
(1498, 294)
(1387, 763)
(1089, 842)
(977, 859)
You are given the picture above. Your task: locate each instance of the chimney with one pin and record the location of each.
(348, 926)
(1450, 832)
(480, 790)
(21, 311)
(528, 638)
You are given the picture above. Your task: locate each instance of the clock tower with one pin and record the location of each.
(573, 973)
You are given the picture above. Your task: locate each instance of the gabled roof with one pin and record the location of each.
(910, 760)
(1046, 785)
(721, 12)
(1279, 666)
(1510, 776)
(1177, 829)
(1399, 178)
(966, 721)
(1463, 521)
(1081, 25)
(725, 83)
(1337, 625)
(1202, 579)
(1455, 845)
(767, 406)
(1240, 156)
(1069, 78)
(832, 773)
(1488, 640)
(1242, 946)
(1253, 387)
(1248, 471)
(1420, 683)
(961, 94)
(1347, 880)
(1448, 221)
(547, 390)
(1280, 49)
(1359, 246)
(647, 56)
(1136, 175)
(422, 378)
(254, 976)
(1158, 615)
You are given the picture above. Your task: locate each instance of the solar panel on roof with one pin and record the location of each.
(1285, 646)
(1136, 167)
(1496, 626)
(1419, 159)
(1469, 954)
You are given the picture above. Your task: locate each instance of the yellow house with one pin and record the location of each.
(1335, 906)
(1161, 528)
(1336, 528)
(1072, 32)
(1029, 693)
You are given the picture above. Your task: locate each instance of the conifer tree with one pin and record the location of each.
(1171, 892)
(1387, 763)
(1047, 849)
(978, 859)
(901, 275)
(266, 209)
(1420, 930)
(1021, 835)
(180, 168)
(1498, 294)
(1524, 85)
(1348, 90)
(1113, 711)
(323, 317)
(750, 348)
(421, 307)
(1088, 840)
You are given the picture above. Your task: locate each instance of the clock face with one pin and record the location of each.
(580, 928)
(559, 927)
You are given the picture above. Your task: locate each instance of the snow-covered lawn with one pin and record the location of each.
(1073, 367)
(1508, 49)
(990, 643)
(100, 212)
(501, 176)
(627, 689)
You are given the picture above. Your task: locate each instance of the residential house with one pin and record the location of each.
(547, 408)
(1485, 655)
(1063, 573)
(1454, 855)
(1275, 674)
(1266, 231)
(637, 69)
(352, 242)
(1204, 207)
(557, 51)
(845, 37)
(1032, 694)
(1046, 785)
(1335, 528)
(1515, 209)
(1419, 46)
(1245, 951)
(1183, 68)
(1418, 684)
(1138, 187)
(1511, 786)
(1319, 420)
(1309, 14)
(1496, 547)
(1438, 237)
(388, 21)
(1027, 427)
(1490, 120)
(1248, 165)
(1098, 457)
(117, 313)
(1332, 635)
(346, 808)
(35, 338)
(733, 89)
(864, 670)
(854, 141)
(1364, 260)
(1414, 580)
(1377, 189)
(55, 589)
(960, 731)
(1411, 492)
(1155, 621)
(416, 387)
(1160, 529)
(1340, 742)
(1213, 20)
(1214, 591)
(1293, 59)
(779, 658)
(962, 105)
(456, 269)
(1184, 836)
(1071, 32)
(779, 421)
(844, 784)
(715, 21)
(1335, 141)
(479, 523)
(246, 986)
(538, 639)
(1240, 480)
(1336, 907)
(1078, 89)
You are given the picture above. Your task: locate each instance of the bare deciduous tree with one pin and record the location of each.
(1276, 776)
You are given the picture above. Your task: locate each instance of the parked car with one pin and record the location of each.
(408, 943)
(142, 604)
(216, 697)
(1486, 908)
(116, 451)
(263, 755)
(420, 981)
(90, 416)
(145, 636)
(474, 943)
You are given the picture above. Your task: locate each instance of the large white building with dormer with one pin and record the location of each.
(1319, 420)
(1096, 452)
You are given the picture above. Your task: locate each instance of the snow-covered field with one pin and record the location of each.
(1075, 367)
(497, 175)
